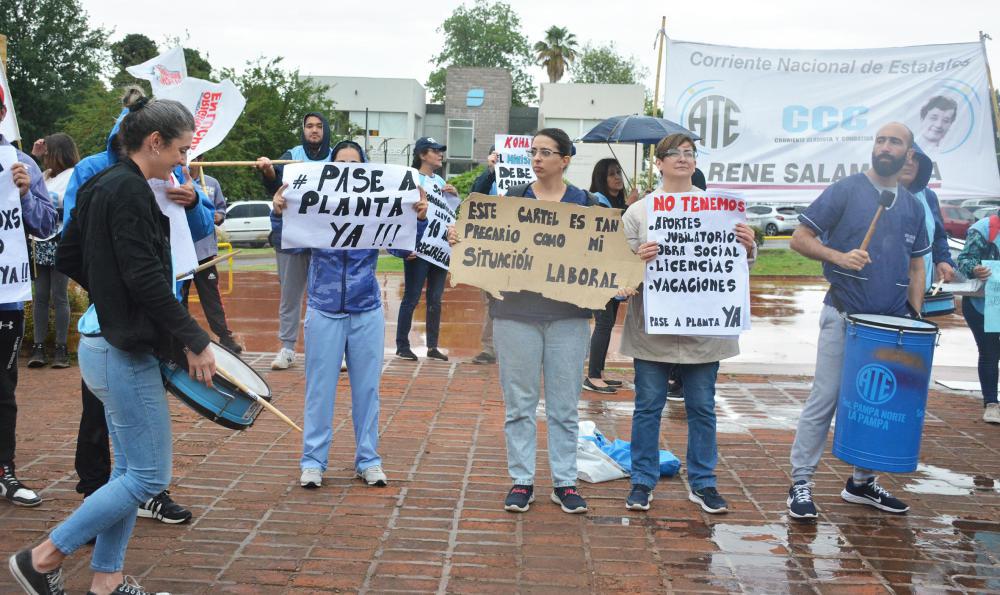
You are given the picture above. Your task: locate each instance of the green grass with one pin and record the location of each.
(386, 263)
(785, 262)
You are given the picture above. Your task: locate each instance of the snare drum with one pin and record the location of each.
(938, 305)
(223, 403)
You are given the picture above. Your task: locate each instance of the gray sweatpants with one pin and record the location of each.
(818, 412)
(293, 270)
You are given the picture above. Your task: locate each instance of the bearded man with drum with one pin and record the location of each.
(886, 279)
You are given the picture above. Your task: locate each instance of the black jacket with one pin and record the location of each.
(117, 247)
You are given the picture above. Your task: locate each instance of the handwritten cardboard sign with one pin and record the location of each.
(563, 251)
(350, 206)
(513, 165)
(699, 284)
(15, 276)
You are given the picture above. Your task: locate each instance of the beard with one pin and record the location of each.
(886, 165)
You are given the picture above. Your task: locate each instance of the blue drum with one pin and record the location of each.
(883, 391)
(938, 305)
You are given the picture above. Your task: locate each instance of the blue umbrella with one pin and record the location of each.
(647, 130)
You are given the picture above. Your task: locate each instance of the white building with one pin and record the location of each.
(578, 107)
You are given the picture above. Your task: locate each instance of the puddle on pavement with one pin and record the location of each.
(945, 482)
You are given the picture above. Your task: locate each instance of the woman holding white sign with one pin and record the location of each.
(656, 356)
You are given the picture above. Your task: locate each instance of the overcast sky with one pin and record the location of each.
(396, 38)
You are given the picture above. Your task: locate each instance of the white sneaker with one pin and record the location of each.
(991, 414)
(283, 360)
(374, 476)
(343, 365)
(311, 477)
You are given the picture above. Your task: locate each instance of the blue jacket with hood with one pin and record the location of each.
(303, 152)
(343, 282)
(932, 209)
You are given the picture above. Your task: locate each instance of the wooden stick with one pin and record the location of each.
(871, 228)
(937, 287)
(222, 372)
(213, 262)
(243, 163)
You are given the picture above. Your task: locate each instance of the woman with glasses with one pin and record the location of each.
(696, 358)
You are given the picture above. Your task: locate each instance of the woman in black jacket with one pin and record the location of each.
(117, 246)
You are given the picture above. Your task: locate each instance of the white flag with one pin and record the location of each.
(8, 127)
(163, 72)
(216, 107)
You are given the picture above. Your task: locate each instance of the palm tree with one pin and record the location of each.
(556, 52)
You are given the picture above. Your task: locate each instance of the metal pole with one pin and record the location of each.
(989, 79)
(661, 35)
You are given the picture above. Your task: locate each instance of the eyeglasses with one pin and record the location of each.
(687, 154)
(545, 153)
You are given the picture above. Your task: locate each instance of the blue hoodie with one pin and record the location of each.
(343, 282)
(932, 213)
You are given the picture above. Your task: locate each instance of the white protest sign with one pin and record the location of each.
(167, 70)
(350, 206)
(782, 125)
(513, 165)
(433, 245)
(8, 126)
(182, 251)
(700, 282)
(15, 276)
(216, 107)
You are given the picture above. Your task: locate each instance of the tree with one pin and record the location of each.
(556, 52)
(603, 64)
(197, 66)
(134, 48)
(89, 119)
(487, 34)
(54, 57)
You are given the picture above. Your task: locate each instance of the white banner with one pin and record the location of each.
(15, 275)
(350, 206)
(8, 127)
(781, 125)
(433, 245)
(182, 251)
(700, 282)
(513, 165)
(216, 107)
(167, 70)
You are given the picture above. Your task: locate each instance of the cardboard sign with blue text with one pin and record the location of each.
(992, 312)
(350, 206)
(699, 284)
(433, 245)
(15, 274)
(513, 165)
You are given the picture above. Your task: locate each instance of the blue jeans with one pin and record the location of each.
(527, 351)
(699, 403)
(988, 345)
(129, 385)
(415, 272)
(328, 337)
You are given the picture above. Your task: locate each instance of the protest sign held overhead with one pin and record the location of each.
(513, 165)
(216, 107)
(15, 274)
(563, 251)
(433, 245)
(699, 284)
(784, 124)
(350, 206)
(167, 70)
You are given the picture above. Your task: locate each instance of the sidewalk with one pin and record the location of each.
(440, 527)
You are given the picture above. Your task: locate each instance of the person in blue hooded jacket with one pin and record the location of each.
(915, 175)
(343, 317)
(293, 263)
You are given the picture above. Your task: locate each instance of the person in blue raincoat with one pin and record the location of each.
(915, 175)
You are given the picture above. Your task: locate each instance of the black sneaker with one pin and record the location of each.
(872, 494)
(130, 586)
(519, 498)
(800, 500)
(37, 358)
(433, 353)
(675, 392)
(12, 489)
(32, 581)
(639, 498)
(614, 383)
(60, 359)
(588, 385)
(230, 343)
(162, 508)
(709, 500)
(405, 353)
(484, 358)
(569, 500)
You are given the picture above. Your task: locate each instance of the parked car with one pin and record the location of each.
(978, 203)
(958, 219)
(770, 220)
(981, 212)
(248, 222)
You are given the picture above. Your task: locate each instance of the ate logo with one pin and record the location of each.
(716, 119)
(166, 77)
(876, 384)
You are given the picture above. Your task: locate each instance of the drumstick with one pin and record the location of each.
(884, 200)
(222, 372)
(244, 163)
(214, 261)
(937, 287)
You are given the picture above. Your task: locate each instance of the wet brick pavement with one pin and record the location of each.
(439, 526)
